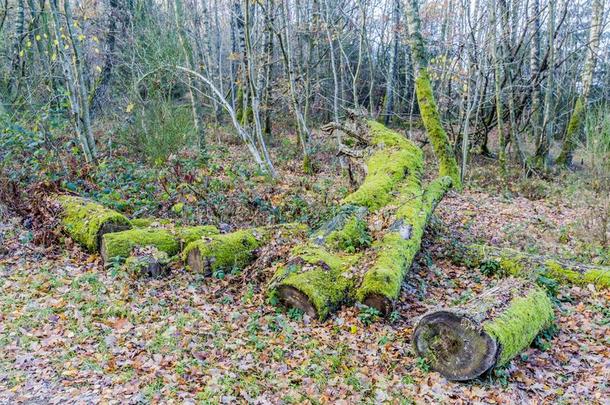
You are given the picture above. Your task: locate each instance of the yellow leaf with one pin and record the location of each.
(129, 108)
(353, 329)
(38, 37)
(99, 69)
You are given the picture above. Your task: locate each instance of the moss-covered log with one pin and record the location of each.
(169, 240)
(87, 222)
(147, 262)
(396, 250)
(465, 342)
(332, 269)
(233, 250)
(315, 280)
(514, 263)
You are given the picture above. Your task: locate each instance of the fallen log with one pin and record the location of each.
(395, 252)
(147, 262)
(233, 250)
(519, 264)
(332, 269)
(465, 342)
(86, 222)
(169, 240)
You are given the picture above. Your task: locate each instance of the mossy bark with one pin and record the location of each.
(331, 269)
(425, 99)
(86, 222)
(234, 250)
(149, 262)
(518, 264)
(315, 280)
(168, 240)
(396, 250)
(572, 131)
(464, 342)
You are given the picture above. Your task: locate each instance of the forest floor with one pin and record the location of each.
(72, 331)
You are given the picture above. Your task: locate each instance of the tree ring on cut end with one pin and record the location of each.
(455, 346)
(291, 297)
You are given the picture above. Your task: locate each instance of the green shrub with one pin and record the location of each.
(160, 128)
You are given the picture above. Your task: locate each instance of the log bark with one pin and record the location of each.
(518, 264)
(86, 222)
(147, 262)
(465, 342)
(234, 250)
(168, 239)
(335, 267)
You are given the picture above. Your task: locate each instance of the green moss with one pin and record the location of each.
(168, 240)
(398, 247)
(142, 222)
(83, 220)
(572, 131)
(519, 264)
(149, 222)
(120, 244)
(188, 234)
(228, 251)
(598, 277)
(517, 326)
(352, 237)
(436, 133)
(235, 250)
(320, 275)
(386, 168)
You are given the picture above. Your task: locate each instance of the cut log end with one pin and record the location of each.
(109, 227)
(381, 303)
(455, 346)
(290, 297)
(195, 261)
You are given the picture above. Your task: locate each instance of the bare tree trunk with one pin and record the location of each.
(547, 121)
(393, 66)
(100, 91)
(303, 130)
(536, 112)
(498, 89)
(74, 92)
(17, 57)
(578, 113)
(193, 91)
(333, 63)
